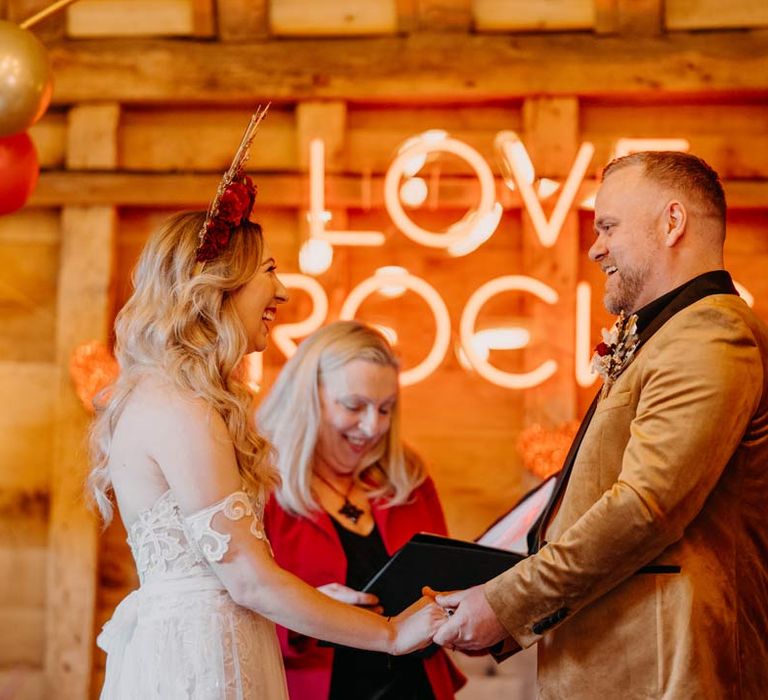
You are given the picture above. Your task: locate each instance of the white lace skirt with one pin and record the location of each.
(169, 643)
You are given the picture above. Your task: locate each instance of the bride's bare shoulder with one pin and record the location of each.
(157, 404)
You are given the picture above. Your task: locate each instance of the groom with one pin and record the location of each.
(649, 574)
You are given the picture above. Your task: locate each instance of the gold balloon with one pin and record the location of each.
(25, 79)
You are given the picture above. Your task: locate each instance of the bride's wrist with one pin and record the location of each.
(392, 636)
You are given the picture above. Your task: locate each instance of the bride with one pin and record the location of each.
(190, 476)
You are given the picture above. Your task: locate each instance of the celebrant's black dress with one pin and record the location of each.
(370, 675)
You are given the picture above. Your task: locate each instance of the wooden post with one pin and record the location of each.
(326, 120)
(242, 20)
(641, 18)
(84, 313)
(629, 18)
(552, 139)
(434, 15)
(203, 16)
(606, 16)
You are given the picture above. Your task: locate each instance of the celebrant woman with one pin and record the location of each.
(351, 495)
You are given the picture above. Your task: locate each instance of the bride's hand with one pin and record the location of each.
(416, 625)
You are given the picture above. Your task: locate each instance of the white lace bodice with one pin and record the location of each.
(180, 635)
(166, 544)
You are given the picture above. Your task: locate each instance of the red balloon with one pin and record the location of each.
(19, 170)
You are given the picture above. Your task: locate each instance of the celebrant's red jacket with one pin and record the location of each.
(310, 548)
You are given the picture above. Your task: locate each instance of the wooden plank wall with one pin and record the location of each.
(147, 109)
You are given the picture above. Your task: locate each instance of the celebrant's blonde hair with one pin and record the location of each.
(291, 414)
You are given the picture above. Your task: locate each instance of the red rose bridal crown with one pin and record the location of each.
(233, 201)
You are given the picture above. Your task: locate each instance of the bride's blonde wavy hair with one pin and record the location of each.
(180, 322)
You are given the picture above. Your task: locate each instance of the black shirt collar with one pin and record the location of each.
(716, 278)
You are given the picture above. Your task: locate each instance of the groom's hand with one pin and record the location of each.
(472, 625)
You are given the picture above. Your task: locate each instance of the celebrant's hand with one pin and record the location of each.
(345, 594)
(416, 625)
(472, 625)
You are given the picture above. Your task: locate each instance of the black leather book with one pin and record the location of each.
(442, 563)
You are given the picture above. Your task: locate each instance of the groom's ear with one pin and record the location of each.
(675, 219)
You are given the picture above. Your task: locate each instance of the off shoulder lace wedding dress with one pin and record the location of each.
(180, 635)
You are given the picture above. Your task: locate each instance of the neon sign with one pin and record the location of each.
(401, 184)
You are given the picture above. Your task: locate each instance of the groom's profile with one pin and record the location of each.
(648, 576)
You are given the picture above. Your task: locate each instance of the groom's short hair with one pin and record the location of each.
(684, 172)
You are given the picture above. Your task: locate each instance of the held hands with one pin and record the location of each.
(417, 624)
(472, 625)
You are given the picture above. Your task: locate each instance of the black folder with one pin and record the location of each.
(442, 563)
(447, 564)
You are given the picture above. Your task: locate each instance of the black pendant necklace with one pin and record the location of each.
(349, 510)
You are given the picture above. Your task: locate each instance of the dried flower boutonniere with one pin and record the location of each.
(616, 350)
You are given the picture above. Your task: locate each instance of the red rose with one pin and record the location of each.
(236, 203)
(205, 252)
(602, 349)
(215, 240)
(218, 233)
(233, 208)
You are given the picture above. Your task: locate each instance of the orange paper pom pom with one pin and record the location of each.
(92, 368)
(543, 450)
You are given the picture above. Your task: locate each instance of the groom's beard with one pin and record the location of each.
(623, 288)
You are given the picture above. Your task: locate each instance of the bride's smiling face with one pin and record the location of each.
(256, 301)
(356, 411)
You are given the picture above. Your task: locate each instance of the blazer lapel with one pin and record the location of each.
(537, 530)
(716, 282)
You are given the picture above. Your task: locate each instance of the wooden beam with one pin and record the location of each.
(86, 262)
(629, 18)
(23, 682)
(715, 14)
(445, 15)
(203, 18)
(338, 18)
(640, 18)
(435, 15)
(85, 272)
(29, 257)
(242, 20)
(26, 422)
(170, 140)
(98, 18)
(97, 126)
(290, 191)
(327, 121)
(551, 128)
(523, 15)
(423, 68)
(606, 16)
(49, 136)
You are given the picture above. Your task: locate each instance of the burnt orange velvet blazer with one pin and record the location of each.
(672, 470)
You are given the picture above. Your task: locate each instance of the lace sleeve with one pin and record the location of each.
(214, 544)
